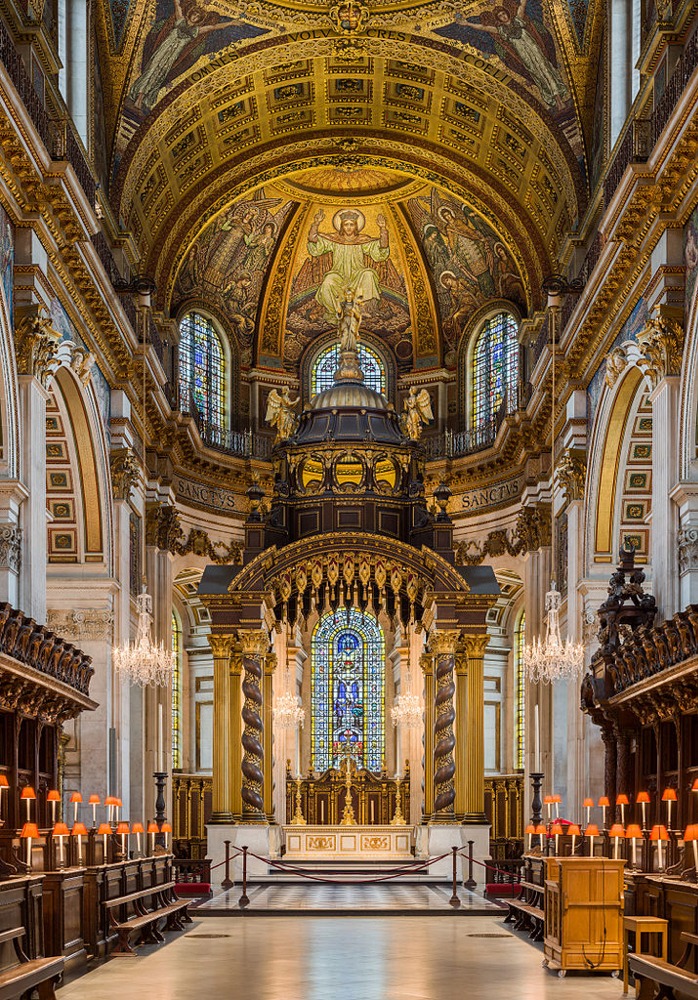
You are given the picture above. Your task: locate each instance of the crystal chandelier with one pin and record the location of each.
(144, 662)
(289, 712)
(407, 711)
(551, 659)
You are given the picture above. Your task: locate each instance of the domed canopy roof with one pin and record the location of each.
(349, 411)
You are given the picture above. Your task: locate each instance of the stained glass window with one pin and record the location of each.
(176, 691)
(327, 363)
(348, 690)
(495, 366)
(519, 694)
(201, 369)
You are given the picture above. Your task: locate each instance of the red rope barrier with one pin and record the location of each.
(284, 866)
(483, 864)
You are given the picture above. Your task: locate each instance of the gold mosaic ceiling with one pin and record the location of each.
(204, 102)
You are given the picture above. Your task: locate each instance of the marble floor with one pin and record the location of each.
(335, 958)
(384, 898)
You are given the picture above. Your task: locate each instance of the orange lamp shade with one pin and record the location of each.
(588, 803)
(110, 800)
(622, 800)
(60, 830)
(122, 828)
(592, 830)
(659, 833)
(30, 830)
(79, 830)
(53, 796)
(540, 830)
(573, 830)
(694, 786)
(137, 828)
(104, 830)
(633, 831)
(76, 797)
(118, 803)
(669, 795)
(548, 800)
(643, 797)
(93, 800)
(167, 828)
(556, 830)
(4, 783)
(691, 832)
(616, 830)
(556, 798)
(530, 829)
(604, 801)
(28, 793)
(154, 828)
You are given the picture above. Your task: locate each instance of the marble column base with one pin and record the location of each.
(263, 839)
(434, 839)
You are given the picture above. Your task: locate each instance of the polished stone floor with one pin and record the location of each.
(384, 898)
(335, 958)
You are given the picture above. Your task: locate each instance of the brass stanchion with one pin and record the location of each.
(470, 883)
(244, 898)
(454, 900)
(227, 882)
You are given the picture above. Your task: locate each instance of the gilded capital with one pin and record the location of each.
(533, 527)
(254, 642)
(475, 645)
(271, 661)
(426, 662)
(661, 346)
(221, 645)
(36, 344)
(124, 472)
(571, 474)
(444, 642)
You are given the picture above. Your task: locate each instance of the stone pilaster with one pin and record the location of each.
(235, 735)
(443, 646)
(255, 645)
(269, 669)
(474, 791)
(221, 647)
(462, 727)
(426, 662)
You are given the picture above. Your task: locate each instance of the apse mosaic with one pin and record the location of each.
(469, 263)
(227, 265)
(350, 246)
(690, 242)
(516, 33)
(182, 31)
(348, 691)
(7, 256)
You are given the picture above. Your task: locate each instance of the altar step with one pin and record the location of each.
(286, 899)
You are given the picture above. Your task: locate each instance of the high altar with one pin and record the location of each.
(349, 597)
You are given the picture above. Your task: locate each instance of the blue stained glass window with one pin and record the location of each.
(348, 690)
(327, 363)
(201, 369)
(495, 367)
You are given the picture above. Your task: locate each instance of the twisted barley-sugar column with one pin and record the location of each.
(221, 647)
(443, 646)
(235, 734)
(255, 645)
(426, 662)
(269, 668)
(475, 646)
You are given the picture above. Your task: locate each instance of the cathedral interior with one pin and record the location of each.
(348, 458)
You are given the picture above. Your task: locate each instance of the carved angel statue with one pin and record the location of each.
(349, 321)
(280, 413)
(417, 411)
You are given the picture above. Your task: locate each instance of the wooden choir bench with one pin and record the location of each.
(526, 912)
(651, 972)
(30, 973)
(141, 912)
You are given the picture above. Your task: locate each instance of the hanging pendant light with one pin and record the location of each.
(552, 659)
(407, 711)
(144, 662)
(288, 712)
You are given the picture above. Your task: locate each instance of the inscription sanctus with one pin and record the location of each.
(207, 496)
(490, 496)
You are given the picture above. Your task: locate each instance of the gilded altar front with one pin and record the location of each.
(348, 843)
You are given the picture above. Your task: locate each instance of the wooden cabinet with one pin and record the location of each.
(584, 914)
